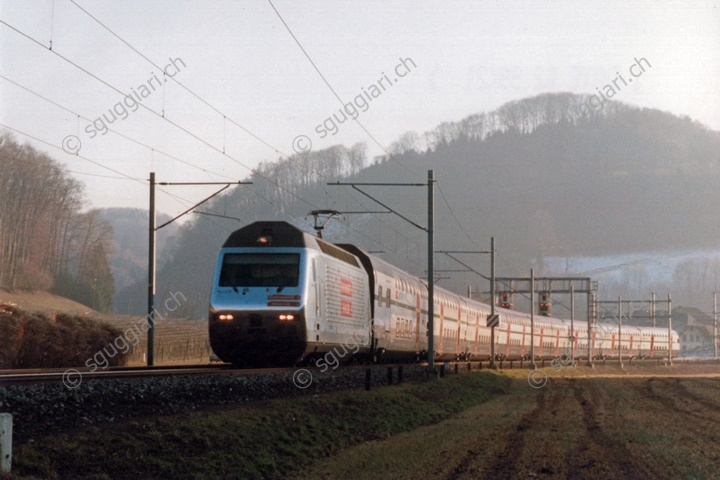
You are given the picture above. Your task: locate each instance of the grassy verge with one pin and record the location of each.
(637, 368)
(271, 439)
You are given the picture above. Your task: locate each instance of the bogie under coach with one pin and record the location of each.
(281, 296)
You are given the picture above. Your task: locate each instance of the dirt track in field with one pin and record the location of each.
(572, 428)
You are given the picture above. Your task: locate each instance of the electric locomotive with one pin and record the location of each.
(281, 295)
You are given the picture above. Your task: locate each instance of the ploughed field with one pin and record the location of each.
(616, 426)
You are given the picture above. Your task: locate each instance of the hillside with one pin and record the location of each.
(543, 175)
(130, 249)
(45, 302)
(49, 240)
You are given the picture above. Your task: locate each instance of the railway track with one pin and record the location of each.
(73, 377)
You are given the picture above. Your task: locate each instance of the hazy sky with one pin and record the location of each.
(457, 58)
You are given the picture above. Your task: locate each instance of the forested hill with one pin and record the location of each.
(48, 241)
(545, 176)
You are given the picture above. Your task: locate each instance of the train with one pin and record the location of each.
(283, 297)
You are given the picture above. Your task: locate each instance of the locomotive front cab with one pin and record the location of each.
(257, 307)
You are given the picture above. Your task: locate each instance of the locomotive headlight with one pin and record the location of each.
(226, 317)
(286, 316)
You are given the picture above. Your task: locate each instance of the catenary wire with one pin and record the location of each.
(225, 116)
(179, 127)
(324, 79)
(137, 142)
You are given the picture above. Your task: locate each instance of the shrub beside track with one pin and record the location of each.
(58, 340)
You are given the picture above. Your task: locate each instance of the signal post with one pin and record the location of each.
(546, 286)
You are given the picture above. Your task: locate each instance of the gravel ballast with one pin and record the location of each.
(47, 408)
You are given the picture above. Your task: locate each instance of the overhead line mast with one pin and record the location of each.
(430, 244)
(152, 233)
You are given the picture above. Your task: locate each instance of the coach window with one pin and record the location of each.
(380, 296)
(387, 294)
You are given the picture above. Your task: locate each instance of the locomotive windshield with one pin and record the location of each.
(260, 270)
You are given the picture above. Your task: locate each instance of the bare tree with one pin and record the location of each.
(409, 141)
(44, 236)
